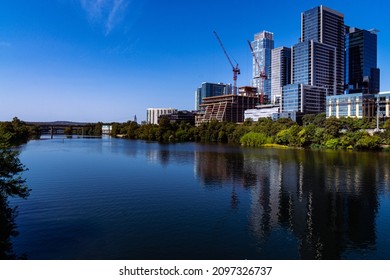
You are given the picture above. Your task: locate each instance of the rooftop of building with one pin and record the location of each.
(264, 34)
(322, 7)
(161, 109)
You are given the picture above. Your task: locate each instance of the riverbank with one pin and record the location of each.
(315, 132)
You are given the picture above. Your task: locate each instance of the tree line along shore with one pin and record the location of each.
(316, 131)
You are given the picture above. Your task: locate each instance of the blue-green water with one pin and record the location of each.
(121, 199)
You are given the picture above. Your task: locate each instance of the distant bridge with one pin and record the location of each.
(58, 128)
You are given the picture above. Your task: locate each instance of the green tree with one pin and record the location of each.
(97, 129)
(11, 182)
(306, 135)
(115, 129)
(68, 130)
(283, 137)
(253, 139)
(333, 127)
(368, 143)
(11, 185)
(131, 129)
(333, 143)
(386, 125)
(308, 119)
(279, 125)
(319, 120)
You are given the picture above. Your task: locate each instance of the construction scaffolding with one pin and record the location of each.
(229, 108)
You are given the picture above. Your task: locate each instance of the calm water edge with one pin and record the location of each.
(121, 199)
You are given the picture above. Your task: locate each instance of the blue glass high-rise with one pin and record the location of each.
(361, 72)
(262, 45)
(209, 90)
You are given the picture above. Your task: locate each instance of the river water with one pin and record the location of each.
(122, 199)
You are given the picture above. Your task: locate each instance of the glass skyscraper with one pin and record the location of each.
(280, 72)
(325, 26)
(314, 64)
(262, 46)
(317, 62)
(303, 99)
(361, 72)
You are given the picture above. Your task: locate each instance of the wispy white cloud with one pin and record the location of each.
(116, 14)
(109, 13)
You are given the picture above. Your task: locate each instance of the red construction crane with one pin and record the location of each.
(236, 70)
(262, 76)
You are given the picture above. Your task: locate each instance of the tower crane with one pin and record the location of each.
(262, 76)
(236, 70)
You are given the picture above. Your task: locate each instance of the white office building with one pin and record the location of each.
(152, 114)
(264, 111)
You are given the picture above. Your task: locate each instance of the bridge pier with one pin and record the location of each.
(51, 132)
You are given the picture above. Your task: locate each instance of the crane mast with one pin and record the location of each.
(236, 70)
(262, 76)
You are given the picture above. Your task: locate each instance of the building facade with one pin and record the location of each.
(262, 46)
(225, 108)
(264, 111)
(106, 129)
(317, 68)
(181, 116)
(314, 64)
(303, 99)
(326, 26)
(210, 90)
(280, 72)
(359, 105)
(361, 72)
(152, 114)
(247, 91)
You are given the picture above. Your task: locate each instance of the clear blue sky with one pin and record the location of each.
(108, 60)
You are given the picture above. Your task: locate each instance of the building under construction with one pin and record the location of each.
(229, 108)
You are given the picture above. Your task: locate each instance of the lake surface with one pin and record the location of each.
(121, 199)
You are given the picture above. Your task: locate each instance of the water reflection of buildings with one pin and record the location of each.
(326, 201)
(328, 206)
(220, 169)
(215, 168)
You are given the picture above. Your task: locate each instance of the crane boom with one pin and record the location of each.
(223, 48)
(236, 70)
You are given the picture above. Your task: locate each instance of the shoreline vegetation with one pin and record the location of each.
(12, 184)
(315, 132)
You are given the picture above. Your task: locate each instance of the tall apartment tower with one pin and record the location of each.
(262, 45)
(280, 72)
(317, 62)
(326, 26)
(361, 72)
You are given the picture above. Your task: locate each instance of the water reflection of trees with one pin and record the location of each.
(11, 185)
(327, 200)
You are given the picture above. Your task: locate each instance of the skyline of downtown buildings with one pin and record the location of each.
(330, 58)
